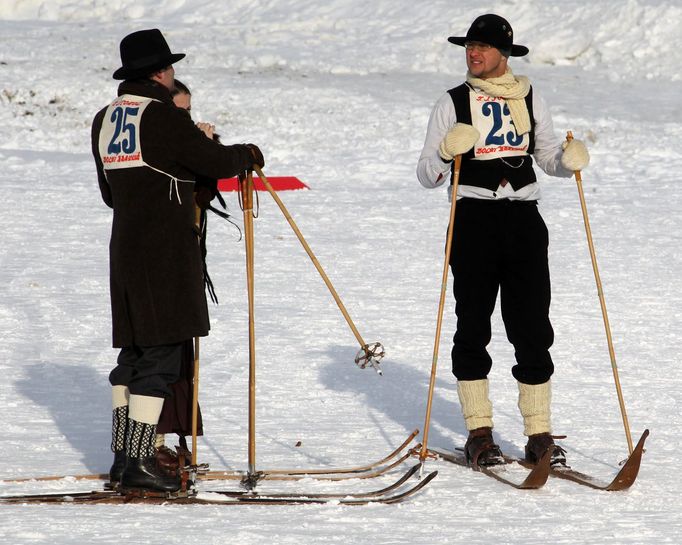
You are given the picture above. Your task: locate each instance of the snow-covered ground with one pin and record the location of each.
(338, 93)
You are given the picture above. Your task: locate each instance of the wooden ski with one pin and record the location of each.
(393, 493)
(623, 480)
(535, 478)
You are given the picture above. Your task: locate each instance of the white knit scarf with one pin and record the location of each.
(511, 88)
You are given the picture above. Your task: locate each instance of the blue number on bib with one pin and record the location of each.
(512, 138)
(494, 109)
(120, 117)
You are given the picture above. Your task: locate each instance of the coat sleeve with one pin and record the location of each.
(104, 187)
(432, 171)
(191, 149)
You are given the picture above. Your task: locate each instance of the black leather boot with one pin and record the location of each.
(145, 474)
(117, 467)
(142, 471)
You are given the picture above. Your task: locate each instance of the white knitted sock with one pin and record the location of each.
(145, 409)
(534, 403)
(119, 396)
(476, 407)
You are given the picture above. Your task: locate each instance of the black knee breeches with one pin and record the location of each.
(501, 246)
(148, 370)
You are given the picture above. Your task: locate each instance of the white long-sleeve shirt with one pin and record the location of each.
(432, 171)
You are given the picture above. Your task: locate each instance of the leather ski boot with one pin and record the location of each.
(117, 467)
(167, 460)
(540, 443)
(145, 474)
(142, 471)
(481, 450)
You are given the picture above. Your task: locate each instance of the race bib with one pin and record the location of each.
(498, 138)
(119, 137)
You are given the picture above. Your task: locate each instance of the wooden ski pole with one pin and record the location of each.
(195, 401)
(600, 293)
(195, 380)
(441, 305)
(310, 253)
(246, 188)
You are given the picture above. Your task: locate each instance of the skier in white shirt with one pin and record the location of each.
(498, 124)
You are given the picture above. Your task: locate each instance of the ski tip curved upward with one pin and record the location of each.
(628, 473)
(539, 474)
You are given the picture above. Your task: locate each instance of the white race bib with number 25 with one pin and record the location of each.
(119, 138)
(498, 138)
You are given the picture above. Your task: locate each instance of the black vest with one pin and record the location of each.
(488, 174)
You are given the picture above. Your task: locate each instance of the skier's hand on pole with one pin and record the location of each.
(459, 139)
(575, 157)
(257, 154)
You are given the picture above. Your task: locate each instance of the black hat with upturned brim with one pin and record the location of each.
(493, 30)
(143, 53)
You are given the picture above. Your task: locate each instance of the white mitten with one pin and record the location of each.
(459, 139)
(575, 156)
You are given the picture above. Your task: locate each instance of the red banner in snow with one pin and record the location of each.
(278, 183)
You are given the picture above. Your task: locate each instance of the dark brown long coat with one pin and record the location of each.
(157, 291)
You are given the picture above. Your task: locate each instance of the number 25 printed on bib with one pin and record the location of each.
(494, 123)
(119, 138)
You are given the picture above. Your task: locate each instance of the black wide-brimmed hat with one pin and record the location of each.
(494, 30)
(144, 52)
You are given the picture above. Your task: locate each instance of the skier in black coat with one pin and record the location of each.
(147, 153)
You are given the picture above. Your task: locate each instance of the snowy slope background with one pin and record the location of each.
(338, 93)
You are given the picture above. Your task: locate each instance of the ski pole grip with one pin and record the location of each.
(576, 173)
